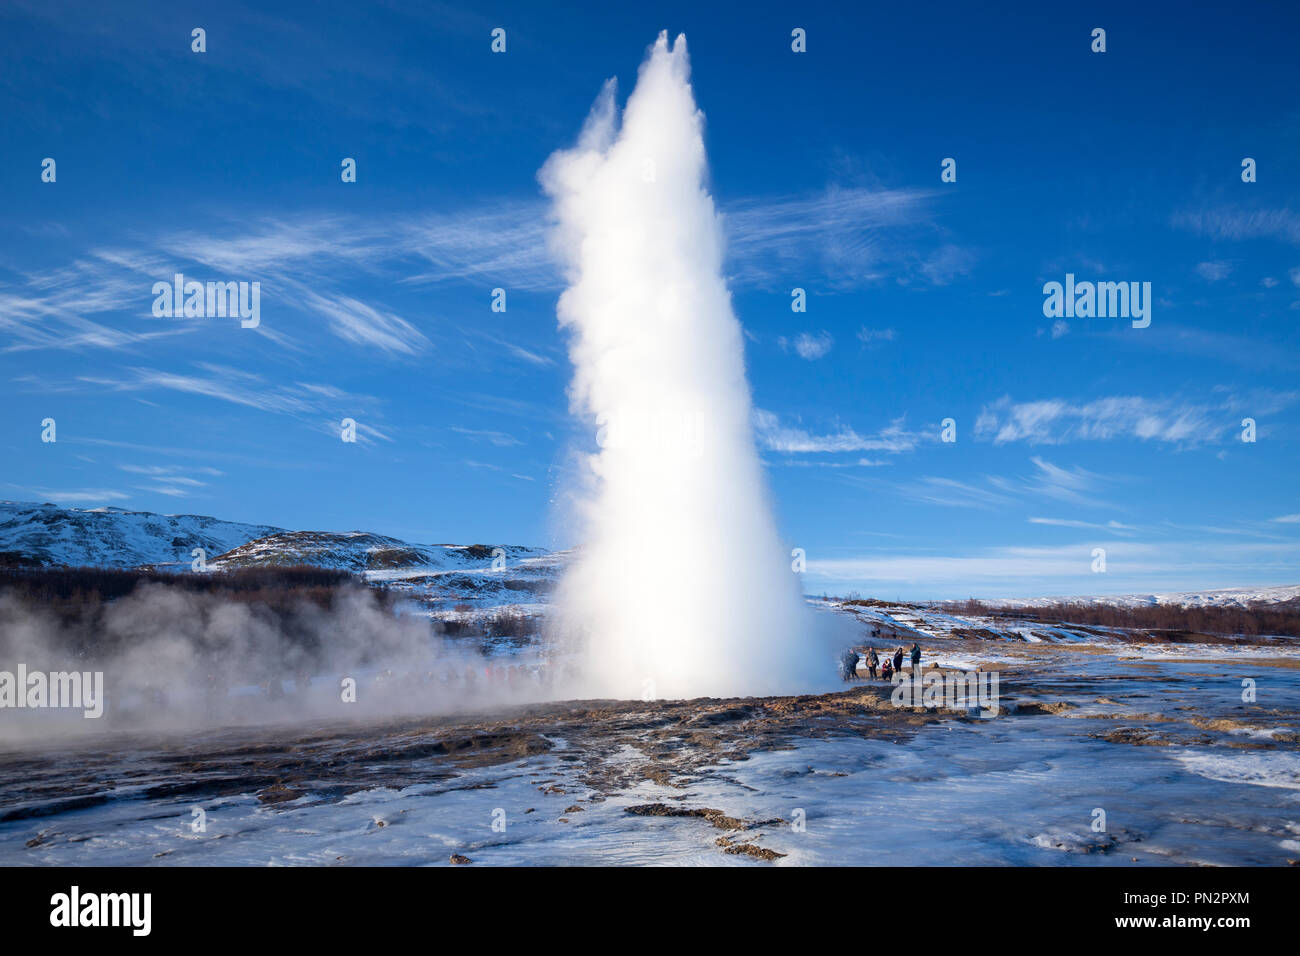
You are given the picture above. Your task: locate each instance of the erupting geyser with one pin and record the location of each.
(681, 587)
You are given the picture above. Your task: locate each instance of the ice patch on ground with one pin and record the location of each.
(1260, 769)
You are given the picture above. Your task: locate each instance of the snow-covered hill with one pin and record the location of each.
(444, 575)
(361, 551)
(45, 534)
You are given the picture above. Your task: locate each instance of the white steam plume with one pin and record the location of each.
(682, 587)
(176, 661)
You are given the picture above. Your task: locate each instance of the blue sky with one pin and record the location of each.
(925, 298)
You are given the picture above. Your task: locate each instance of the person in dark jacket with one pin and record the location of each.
(873, 662)
(898, 659)
(916, 659)
(849, 665)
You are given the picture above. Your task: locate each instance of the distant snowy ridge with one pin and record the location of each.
(1221, 597)
(46, 534)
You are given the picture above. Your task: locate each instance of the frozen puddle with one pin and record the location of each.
(1260, 769)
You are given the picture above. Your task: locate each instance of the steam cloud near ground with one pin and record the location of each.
(682, 586)
(175, 659)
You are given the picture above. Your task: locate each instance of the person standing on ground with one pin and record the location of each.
(873, 661)
(898, 660)
(916, 660)
(849, 665)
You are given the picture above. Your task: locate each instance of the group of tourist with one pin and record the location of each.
(884, 668)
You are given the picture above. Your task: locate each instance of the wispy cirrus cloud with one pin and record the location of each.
(809, 346)
(361, 324)
(320, 405)
(500, 439)
(164, 471)
(77, 496)
(1071, 485)
(1058, 421)
(946, 263)
(53, 308)
(310, 263)
(849, 236)
(1112, 527)
(507, 240)
(1074, 485)
(869, 336)
(852, 463)
(1238, 222)
(1214, 271)
(175, 481)
(774, 436)
(951, 493)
